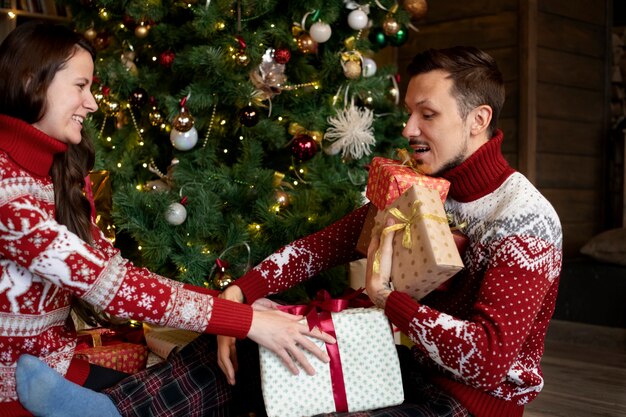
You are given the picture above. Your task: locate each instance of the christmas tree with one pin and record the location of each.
(230, 128)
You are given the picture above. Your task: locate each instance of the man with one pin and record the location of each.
(479, 342)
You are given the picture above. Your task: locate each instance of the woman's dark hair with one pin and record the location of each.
(475, 76)
(29, 59)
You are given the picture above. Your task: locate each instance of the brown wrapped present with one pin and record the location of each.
(124, 357)
(424, 250)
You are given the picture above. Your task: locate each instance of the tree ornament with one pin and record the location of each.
(306, 44)
(155, 116)
(282, 56)
(90, 34)
(138, 97)
(110, 107)
(222, 279)
(399, 38)
(303, 147)
(248, 116)
(351, 132)
(358, 19)
(142, 29)
(391, 26)
(183, 141)
(320, 32)
(241, 58)
(102, 41)
(369, 67)
(416, 8)
(166, 58)
(377, 37)
(128, 59)
(183, 120)
(351, 64)
(282, 198)
(176, 213)
(269, 77)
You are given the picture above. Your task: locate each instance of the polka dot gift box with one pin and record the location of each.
(424, 251)
(366, 375)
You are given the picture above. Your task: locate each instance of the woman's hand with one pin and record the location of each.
(378, 284)
(286, 336)
(226, 349)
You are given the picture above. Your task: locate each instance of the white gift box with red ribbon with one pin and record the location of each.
(363, 374)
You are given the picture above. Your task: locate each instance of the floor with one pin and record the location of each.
(585, 372)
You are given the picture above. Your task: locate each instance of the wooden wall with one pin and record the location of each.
(553, 55)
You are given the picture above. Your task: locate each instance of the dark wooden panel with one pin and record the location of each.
(558, 67)
(569, 137)
(575, 235)
(509, 128)
(590, 12)
(568, 172)
(567, 103)
(559, 33)
(487, 32)
(446, 10)
(574, 206)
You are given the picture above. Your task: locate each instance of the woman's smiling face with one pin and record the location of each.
(69, 99)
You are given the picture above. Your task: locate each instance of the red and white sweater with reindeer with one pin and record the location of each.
(43, 265)
(482, 337)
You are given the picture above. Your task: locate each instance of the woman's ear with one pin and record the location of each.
(480, 118)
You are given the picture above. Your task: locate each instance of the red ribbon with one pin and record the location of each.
(318, 314)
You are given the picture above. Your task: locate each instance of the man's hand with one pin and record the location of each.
(378, 284)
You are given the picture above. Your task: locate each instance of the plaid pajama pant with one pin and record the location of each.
(191, 384)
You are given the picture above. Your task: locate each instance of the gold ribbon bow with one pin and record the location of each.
(405, 223)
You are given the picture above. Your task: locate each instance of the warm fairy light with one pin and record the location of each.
(295, 182)
(140, 143)
(119, 164)
(139, 187)
(11, 15)
(240, 137)
(276, 208)
(301, 170)
(222, 122)
(144, 165)
(220, 25)
(139, 247)
(122, 26)
(254, 227)
(225, 150)
(280, 118)
(108, 139)
(154, 59)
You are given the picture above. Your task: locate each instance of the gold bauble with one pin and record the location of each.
(110, 107)
(222, 280)
(141, 31)
(416, 8)
(155, 116)
(306, 44)
(242, 59)
(183, 122)
(282, 198)
(390, 26)
(352, 69)
(90, 34)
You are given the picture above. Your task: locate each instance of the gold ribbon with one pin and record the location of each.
(297, 129)
(405, 223)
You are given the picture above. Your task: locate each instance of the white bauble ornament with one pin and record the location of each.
(176, 214)
(357, 19)
(183, 141)
(320, 32)
(369, 67)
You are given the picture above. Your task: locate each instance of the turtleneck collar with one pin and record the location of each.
(481, 173)
(28, 146)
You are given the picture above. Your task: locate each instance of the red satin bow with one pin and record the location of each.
(318, 315)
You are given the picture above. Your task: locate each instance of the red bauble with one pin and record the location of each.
(282, 55)
(167, 58)
(304, 147)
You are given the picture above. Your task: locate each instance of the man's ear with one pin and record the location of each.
(480, 118)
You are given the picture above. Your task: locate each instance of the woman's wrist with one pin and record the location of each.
(233, 293)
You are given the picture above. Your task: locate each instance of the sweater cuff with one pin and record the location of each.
(401, 308)
(252, 285)
(229, 318)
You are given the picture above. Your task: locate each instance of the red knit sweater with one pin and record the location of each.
(482, 337)
(43, 265)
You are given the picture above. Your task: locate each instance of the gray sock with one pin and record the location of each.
(46, 393)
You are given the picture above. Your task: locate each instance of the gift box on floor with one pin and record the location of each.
(124, 357)
(424, 251)
(364, 372)
(388, 179)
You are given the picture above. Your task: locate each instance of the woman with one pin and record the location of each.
(51, 255)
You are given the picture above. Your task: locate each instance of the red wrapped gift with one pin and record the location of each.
(124, 357)
(389, 178)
